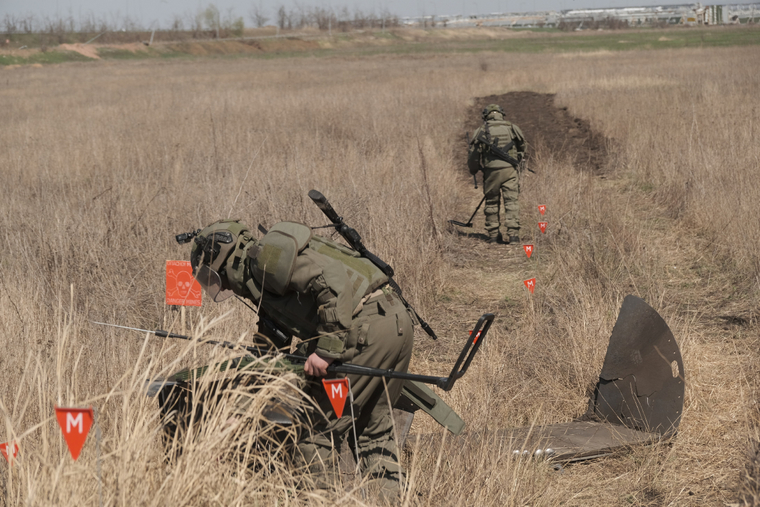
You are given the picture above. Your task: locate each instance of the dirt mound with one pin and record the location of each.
(546, 127)
(82, 49)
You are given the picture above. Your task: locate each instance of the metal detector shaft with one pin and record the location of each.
(469, 222)
(476, 338)
(166, 334)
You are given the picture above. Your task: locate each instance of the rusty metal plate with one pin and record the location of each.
(641, 384)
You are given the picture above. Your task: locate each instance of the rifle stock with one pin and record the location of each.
(355, 241)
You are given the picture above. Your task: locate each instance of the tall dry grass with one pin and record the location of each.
(103, 163)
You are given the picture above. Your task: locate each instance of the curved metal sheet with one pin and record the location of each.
(641, 384)
(563, 442)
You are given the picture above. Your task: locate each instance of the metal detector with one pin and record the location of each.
(469, 222)
(477, 336)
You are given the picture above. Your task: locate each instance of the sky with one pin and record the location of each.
(160, 13)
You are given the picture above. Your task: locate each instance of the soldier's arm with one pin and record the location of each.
(519, 141)
(326, 280)
(473, 155)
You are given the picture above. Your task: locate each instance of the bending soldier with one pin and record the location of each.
(340, 304)
(500, 177)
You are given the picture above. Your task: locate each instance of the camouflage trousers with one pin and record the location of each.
(385, 338)
(505, 183)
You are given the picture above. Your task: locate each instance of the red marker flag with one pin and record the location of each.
(542, 226)
(75, 424)
(337, 391)
(9, 450)
(181, 288)
(530, 284)
(477, 337)
(542, 208)
(528, 250)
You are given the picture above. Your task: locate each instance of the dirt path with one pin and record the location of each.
(495, 268)
(716, 327)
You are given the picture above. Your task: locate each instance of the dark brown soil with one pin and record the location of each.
(546, 127)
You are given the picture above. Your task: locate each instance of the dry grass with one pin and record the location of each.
(103, 163)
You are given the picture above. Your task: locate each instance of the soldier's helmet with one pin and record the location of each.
(492, 108)
(211, 249)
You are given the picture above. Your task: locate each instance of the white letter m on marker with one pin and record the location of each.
(72, 421)
(337, 390)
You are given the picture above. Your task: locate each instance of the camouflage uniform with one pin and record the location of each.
(340, 304)
(499, 176)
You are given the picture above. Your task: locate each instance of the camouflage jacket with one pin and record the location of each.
(308, 285)
(501, 131)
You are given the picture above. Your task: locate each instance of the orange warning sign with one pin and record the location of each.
(542, 226)
(75, 424)
(528, 250)
(181, 288)
(9, 450)
(337, 391)
(530, 284)
(542, 208)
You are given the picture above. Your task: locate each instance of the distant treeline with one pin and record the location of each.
(205, 23)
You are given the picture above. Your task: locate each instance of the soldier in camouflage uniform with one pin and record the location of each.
(499, 176)
(340, 304)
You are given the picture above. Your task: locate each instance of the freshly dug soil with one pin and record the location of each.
(546, 127)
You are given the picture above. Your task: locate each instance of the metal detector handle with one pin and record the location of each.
(355, 369)
(476, 339)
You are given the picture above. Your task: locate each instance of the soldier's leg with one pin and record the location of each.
(492, 182)
(510, 193)
(491, 211)
(385, 341)
(316, 454)
(378, 449)
(318, 448)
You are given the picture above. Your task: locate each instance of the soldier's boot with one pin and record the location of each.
(514, 236)
(381, 469)
(317, 458)
(495, 240)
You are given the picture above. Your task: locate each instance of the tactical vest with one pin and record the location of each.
(270, 266)
(501, 132)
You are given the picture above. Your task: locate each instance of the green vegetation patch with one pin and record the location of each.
(124, 54)
(550, 40)
(532, 40)
(622, 40)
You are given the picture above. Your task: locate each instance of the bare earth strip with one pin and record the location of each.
(718, 335)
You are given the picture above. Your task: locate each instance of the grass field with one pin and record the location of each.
(409, 41)
(104, 162)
